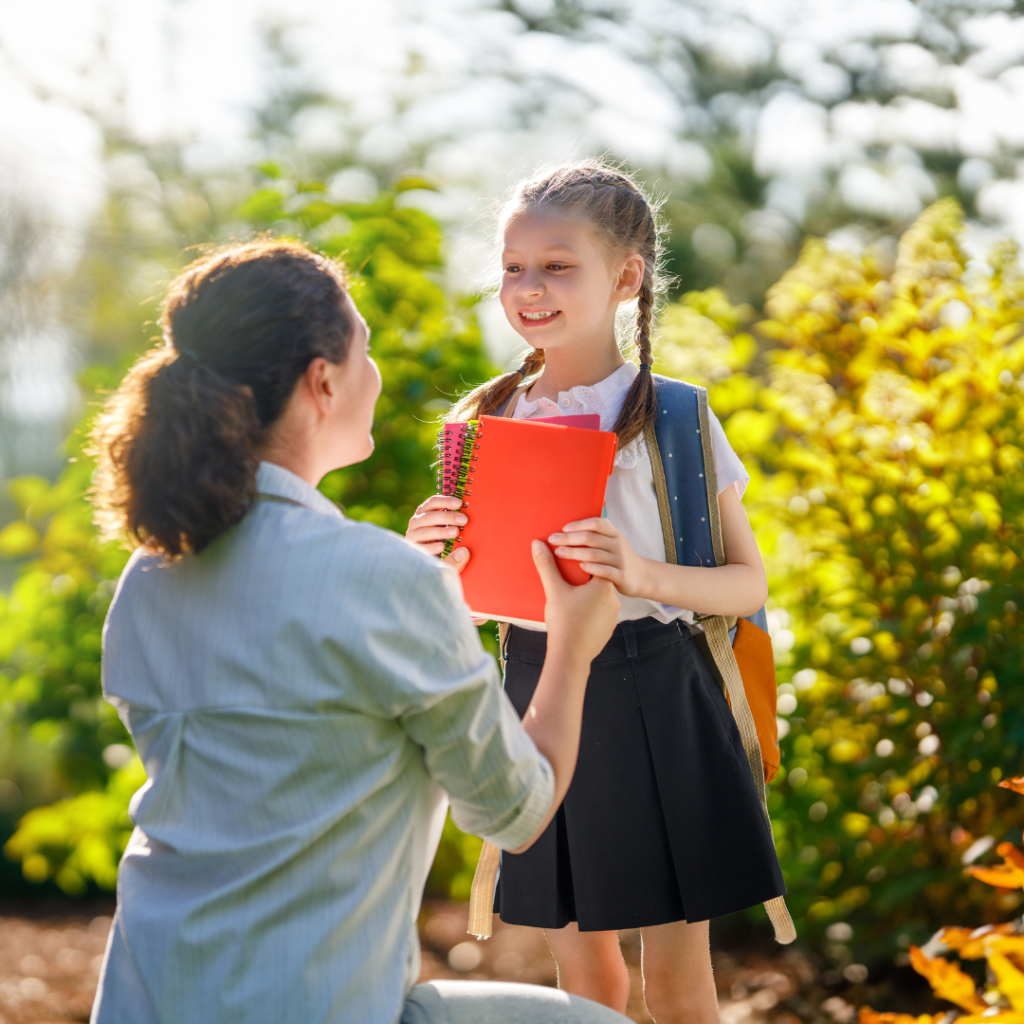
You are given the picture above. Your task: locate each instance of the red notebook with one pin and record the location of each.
(520, 480)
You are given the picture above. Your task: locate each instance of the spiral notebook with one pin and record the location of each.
(520, 481)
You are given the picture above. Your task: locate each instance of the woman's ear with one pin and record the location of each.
(631, 277)
(318, 384)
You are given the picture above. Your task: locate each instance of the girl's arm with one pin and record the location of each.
(738, 588)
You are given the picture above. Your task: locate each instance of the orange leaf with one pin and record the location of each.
(1009, 979)
(1003, 1017)
(1013, 856)
(948, 981)
(991, 936)
(955, 938)
(1001, 876)
(1007, 943)
(869, 1016)
(1017, 785)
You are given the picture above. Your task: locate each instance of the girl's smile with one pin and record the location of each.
(535, 318)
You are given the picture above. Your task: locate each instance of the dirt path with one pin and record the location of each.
(50, 958)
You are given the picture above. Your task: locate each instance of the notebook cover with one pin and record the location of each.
(586, 421)
(529, 479)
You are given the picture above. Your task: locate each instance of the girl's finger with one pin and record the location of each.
(426, 534)
(584, 539)
(439, 501)
(438, 518)
(603, 526)
(587, 555)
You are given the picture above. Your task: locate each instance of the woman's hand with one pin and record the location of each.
(580, 620)
(435, 522)
(602, 551)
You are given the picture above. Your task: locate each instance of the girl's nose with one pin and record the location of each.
(531, 285)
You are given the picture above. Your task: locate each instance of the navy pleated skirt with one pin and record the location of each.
(662, 822)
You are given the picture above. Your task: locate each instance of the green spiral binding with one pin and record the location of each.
(454, 470)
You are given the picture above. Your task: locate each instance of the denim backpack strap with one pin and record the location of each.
(485, 878)
(696, 530)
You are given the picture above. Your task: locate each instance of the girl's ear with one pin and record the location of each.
(631, 277)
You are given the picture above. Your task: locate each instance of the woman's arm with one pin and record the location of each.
(448, 701)
(739, 587)
(579, 621)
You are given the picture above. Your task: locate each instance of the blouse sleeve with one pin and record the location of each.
(728, 465)
(423, 666)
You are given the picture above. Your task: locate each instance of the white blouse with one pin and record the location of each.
(631, 502)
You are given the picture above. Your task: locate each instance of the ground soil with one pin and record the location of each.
(50, 955)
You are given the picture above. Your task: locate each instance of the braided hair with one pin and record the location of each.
(626, 221)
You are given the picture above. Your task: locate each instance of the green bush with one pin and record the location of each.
(883, 431)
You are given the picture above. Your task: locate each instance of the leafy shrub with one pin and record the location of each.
(883, 434)
(81, 839)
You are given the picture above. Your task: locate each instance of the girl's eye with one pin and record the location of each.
(512, 268)
(557, 266)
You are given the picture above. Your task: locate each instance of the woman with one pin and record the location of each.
(303, 690)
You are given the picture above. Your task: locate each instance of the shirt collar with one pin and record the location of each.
(275, 481)
(614, 387)
(611, 391)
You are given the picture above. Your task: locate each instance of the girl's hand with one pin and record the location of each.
(435, 522)
(602, 551)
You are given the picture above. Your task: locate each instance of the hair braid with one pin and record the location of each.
(640, 405)
(493, 394)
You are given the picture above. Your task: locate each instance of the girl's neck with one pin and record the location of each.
(570, 367)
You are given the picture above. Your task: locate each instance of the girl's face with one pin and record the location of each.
(559, 286)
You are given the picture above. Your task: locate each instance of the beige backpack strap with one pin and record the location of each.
(716, 632)
(485, 878)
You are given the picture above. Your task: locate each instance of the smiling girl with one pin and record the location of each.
(661, 828)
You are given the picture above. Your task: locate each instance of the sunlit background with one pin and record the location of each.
(843, 186)
(759, 122)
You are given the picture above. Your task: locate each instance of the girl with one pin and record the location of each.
(300, 687)
(661, 828)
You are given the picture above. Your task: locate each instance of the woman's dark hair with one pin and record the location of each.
(176, 445)
(625, 219)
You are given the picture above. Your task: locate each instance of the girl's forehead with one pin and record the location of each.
(548, 229)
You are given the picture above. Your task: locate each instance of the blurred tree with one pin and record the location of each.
(803, 118)
(883, 430)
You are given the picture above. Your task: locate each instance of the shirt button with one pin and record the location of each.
(565, 403)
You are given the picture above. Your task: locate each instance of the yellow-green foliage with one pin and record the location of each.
(883, 432)
(80, 839)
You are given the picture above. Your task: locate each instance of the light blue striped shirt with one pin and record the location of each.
(303, 695)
